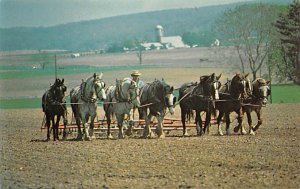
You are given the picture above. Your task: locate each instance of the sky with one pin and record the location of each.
(35, 13)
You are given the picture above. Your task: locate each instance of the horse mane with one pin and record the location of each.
(119, 87)
(260, 81)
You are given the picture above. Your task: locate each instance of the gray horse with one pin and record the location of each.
(157, 97)
(84, 103)
(121, 100)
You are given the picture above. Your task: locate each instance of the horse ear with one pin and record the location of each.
(101, 74)
(94, 75)
(268, 82)
(172, 88)
(63, 80)
(162, 79)
(247, 75)
(218, 77)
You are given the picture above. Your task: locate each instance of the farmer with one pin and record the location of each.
(135, 77)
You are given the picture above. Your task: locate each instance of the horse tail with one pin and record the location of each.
(44, 98)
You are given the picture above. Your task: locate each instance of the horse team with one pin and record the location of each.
(238, 95)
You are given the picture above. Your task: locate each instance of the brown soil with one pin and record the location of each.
(270, 159)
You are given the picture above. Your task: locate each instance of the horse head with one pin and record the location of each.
(59, 89)
(238, 85)
(211, 85)
(99, 86)
(128, 91)
(261, 89)
(93, 88)
(169, 97)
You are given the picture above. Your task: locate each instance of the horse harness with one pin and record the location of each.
(118, 93)
(83, 96)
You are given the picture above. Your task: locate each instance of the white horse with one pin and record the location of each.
(84, 103)
(121, 99)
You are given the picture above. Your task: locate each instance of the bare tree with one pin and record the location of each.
(248, 28)
(140, 53)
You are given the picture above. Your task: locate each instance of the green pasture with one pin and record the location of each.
(280, 94)
(21, 72)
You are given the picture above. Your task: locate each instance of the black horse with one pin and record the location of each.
(259, 91)
(199, 97)
(157, 97)
(53, 104)
(231, 99)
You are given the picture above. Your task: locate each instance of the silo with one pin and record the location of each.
(159, 33)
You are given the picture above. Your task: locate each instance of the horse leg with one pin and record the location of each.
(84, 120)
(147, 130)
(78, 123)
(65, 126)
(120, 119)
(198, 122)
(240, 121)
(207, 122)
(48, 122)
(109, 136)
(251, 132)
(220, 116)
(56, 126)
(129, 131)
(92, 127)
(160, 126)
(227, 117)
(53, 127)
(183, 116)
(259, 118)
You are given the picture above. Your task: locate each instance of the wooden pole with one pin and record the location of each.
(55, 67)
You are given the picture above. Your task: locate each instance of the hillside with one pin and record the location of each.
(100, 33)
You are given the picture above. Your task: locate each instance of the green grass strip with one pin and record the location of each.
(280, 94)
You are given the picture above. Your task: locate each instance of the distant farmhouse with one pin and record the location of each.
(169, 42)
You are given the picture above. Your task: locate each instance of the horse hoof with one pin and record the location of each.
(243, 132)
(220, 133)
(87, 138)
(162, 136)
(252, 133)
(186, 135)
(128, 132)
(121, 137)
(236, 129)
(110, 137)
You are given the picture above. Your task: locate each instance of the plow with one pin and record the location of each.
(100, 125)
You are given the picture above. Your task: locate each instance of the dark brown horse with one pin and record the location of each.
(199, 97)
(260, 90)
(159, 96)
(231, 99)
(53, 103)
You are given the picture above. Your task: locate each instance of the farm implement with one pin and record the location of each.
(101, 125)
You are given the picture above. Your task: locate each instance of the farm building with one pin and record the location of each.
(169, 41)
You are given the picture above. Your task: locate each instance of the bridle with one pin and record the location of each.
(95, 84)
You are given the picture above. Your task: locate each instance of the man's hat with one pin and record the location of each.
(135, 73)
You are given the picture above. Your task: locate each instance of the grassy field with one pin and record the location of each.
(289, 93)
